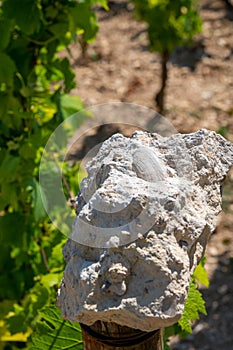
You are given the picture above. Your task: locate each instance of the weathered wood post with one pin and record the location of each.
(144, 215)
(109, 336)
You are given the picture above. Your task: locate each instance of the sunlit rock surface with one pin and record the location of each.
(144, 216)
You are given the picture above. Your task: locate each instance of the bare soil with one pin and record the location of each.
(119, 67)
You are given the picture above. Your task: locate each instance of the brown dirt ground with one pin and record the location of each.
(119, 67)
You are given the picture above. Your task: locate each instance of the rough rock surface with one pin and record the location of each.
(145, 213)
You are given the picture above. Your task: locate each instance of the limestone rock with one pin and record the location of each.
(145, 213)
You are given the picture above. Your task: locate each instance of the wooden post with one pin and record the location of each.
(110, 336)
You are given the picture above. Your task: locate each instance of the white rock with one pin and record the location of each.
(145, 214)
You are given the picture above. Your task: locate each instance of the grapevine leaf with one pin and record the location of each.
(8, 168)
(170, 23)
(85, 19)
(26, 14)
(68, 75)
(37, 298)
(71, 105)
(201, 275)
(6, 336)
(56, 260)
(37, 202)
(103, 3)
(7, 69)
(51, 279)
(194, 304)
(9, 196)
(15, 323)
(59, 30)
(11, 227)
(5, 30)
(52, 332)
(7, 103)
(27, 151)
(19, 318)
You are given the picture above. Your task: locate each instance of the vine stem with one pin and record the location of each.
(159, 97)
(43, 254)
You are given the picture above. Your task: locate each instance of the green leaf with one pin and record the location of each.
(20, 317)
(8, 168)
(84, 18)
(12, 146)
(26, 14)
(8, 104)
(9, 196)
(56, 260)
(69, 76)
(37, 202)
(51, 279)
(7, 69)
(201, 275)
(194, 304)
(170, 23)
(15, 323)
(27, 151)
(11, 229)
(71, 105)
(59, 29)
(52, 332)
(103, 3)
(5, 30)
(22, 54)
(37, 298)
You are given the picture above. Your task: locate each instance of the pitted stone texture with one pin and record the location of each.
(145, 214)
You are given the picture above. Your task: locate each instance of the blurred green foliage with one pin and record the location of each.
(170, 24)
(34, 86)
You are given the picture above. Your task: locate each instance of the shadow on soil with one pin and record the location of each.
(228, 7)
